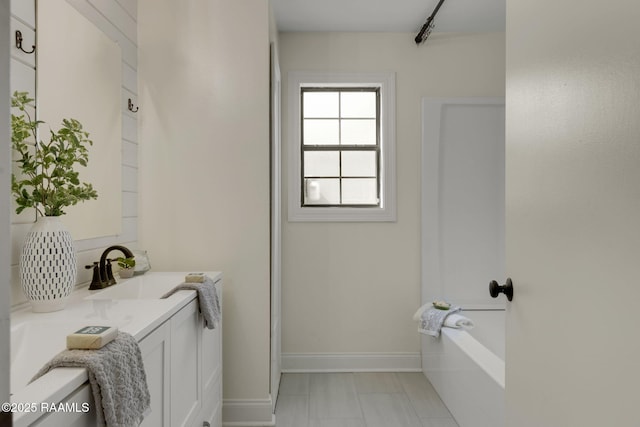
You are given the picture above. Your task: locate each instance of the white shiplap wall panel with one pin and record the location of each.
(129, 78)
(25, 11)
(22, 76)
(126, 96)
(129, 229)
(118, 16)
(129, 154)
(129, 178)
(129, 205)
(129, 128)
(131, 7)
(28, 40)
(108, 22)
(118, 21)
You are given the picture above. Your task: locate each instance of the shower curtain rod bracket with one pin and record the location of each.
(428, 26)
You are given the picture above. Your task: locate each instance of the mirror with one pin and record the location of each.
(79, 76)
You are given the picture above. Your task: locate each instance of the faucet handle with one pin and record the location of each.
(96, 283)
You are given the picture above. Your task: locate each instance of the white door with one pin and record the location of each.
(276, 230)
(573, 213)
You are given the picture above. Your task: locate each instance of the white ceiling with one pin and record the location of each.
(388, 15)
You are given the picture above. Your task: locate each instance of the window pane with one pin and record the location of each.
(321, 132)
(357, 191)
(358, 104)
(359, 163)
(322, 192)
(358, 132)
(320, 104)
(322, 163)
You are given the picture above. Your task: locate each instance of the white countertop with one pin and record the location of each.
(133, 305)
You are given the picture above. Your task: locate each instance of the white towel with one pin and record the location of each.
(458, 321)
(421, 310)
(431, 320)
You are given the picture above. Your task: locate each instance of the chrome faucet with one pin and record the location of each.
(102, 271)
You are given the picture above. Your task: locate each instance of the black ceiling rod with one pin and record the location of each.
(428, 26)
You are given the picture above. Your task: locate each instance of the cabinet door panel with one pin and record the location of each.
(211, 363)
(155, 354)
(186, 365)
(72, 418)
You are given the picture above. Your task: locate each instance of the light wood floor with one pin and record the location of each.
(384, 399)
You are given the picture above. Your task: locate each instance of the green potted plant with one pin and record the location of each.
(48, 182)
(126, 267)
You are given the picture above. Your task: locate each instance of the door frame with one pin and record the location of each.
(275, 150)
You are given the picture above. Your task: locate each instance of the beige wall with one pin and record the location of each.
(353, 287)
(204, 163)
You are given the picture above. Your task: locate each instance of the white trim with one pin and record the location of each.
(276, 224)
(247, 412)
(351, 362)
(387, 84)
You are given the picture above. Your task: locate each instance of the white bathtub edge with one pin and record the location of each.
(491, 364)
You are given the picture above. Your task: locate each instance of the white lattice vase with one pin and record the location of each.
(48, 265)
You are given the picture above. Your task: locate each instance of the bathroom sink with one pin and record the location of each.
(149, 286)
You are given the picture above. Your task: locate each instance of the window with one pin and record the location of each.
(341, 147)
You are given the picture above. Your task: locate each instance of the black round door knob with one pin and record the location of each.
(507, 289)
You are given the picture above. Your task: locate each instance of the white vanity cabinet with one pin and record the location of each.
(183, 365)
(196, 371)
(183, 361)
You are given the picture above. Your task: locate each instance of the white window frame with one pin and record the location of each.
(386, 212)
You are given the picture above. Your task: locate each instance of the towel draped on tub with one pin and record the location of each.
(431, 320)
(117, 378)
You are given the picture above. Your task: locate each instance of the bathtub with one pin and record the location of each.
(467, 369)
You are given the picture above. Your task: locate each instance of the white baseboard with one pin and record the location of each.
(351, 362)
(247, 413)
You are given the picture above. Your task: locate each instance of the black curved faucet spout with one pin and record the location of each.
(106, 274)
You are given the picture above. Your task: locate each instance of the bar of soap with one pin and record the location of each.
(194, 278)
(441, 305)
(91, 337)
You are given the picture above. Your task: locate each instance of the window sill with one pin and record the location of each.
(338, 214)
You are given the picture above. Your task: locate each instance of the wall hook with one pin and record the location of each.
(130, 107)
(19, 43)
